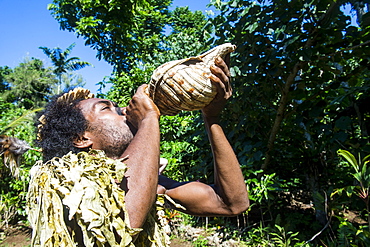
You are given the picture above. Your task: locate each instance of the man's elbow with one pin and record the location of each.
(239, 207)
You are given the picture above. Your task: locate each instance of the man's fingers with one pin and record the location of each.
(224, 64)
(219, 72)
(142, 88)
(221, 87)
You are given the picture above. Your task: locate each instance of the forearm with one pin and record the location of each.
(140, 182)
(229, 180)
(228, 196)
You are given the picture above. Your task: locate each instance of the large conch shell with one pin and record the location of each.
(185, 84)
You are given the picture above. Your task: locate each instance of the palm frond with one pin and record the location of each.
(46, 50)
(68, 50)
(77, 65)
(20, 120)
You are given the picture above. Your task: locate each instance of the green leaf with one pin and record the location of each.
(349, 158)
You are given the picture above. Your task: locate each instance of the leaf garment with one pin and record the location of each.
(75, 201)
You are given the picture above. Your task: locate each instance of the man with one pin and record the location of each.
(78, 122)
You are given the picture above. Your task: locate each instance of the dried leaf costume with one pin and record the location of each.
(78, 194)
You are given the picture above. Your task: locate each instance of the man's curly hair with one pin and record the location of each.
(62, 122)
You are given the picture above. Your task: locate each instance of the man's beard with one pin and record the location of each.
(116, 138)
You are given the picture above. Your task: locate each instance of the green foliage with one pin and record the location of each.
(292, 80)
(120, 31)
(351, 235)
(261, 186)
(26, 117)
(283, 238)
(125, 84)
(272, 236)
(71, 80)
(258, 236)
(201, 241)
(349, 215)
(60, 59)
(183, 20)
(3, 84)
(300, 76)
(362, 177)
(28, 85)
(16, 122)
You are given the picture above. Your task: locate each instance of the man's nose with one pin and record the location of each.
(121, 111)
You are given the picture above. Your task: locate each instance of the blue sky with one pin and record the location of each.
(27, 24)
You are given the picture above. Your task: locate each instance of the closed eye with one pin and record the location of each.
(105, 105)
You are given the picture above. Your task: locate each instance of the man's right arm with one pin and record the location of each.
(140, 182)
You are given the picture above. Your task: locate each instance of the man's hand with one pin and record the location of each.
(140, 107)
(221, 79)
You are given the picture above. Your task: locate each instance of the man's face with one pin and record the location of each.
(108, 126)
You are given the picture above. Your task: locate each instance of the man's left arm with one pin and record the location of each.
(228, 196)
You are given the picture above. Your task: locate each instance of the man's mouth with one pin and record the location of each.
(119, 111)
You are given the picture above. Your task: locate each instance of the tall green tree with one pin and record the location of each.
(72, 80)
(301, 76)
(189, 35)
(30, 84)
(62, 62)
(120, 31)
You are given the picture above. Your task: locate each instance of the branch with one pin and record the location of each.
(284, 98)
(280, 113)
(345, 49)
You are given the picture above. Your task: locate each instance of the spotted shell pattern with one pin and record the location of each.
(185, 84)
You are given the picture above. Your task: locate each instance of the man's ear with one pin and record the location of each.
(83, 141)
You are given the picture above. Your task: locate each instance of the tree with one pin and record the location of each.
(292, 55)
(120, 31)
(3, 84)
(63, 64)
(301, 74)
(360, 7)
(29, 84)
(186, 39)
(72, 80)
